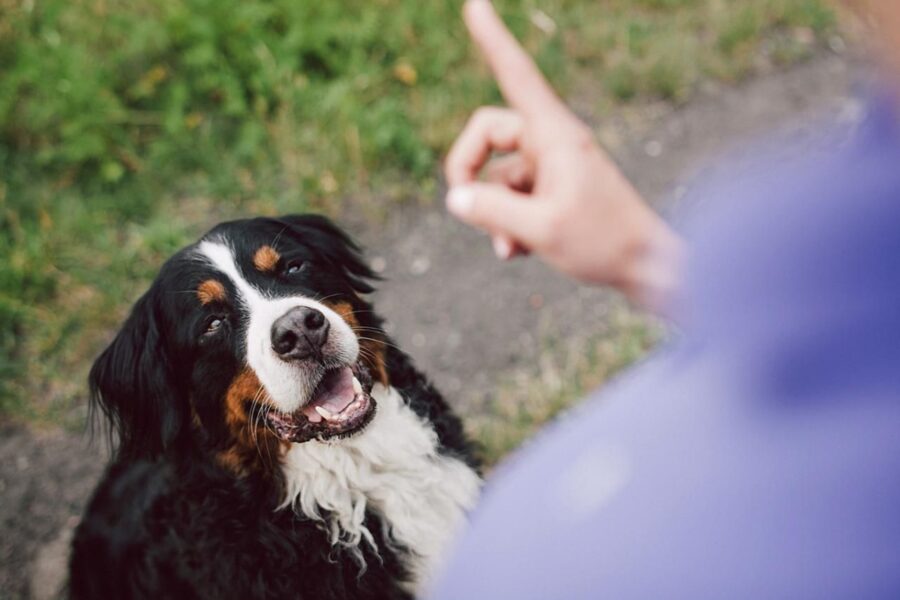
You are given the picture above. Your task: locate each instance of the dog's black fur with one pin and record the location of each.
(170, 518)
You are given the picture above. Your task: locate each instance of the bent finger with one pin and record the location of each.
(489, 129)
(500, 211)
(513, 170)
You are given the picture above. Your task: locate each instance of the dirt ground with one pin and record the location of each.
(469, 320)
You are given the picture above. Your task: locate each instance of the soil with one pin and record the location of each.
(468, 319)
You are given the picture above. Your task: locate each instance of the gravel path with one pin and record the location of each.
(467, 319)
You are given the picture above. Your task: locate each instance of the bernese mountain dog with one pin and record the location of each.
(271, 441)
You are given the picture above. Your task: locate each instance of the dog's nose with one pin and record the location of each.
(299, 333)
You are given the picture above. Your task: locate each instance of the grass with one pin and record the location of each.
(522, 405)
(127, 127)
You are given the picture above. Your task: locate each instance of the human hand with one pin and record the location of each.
(556, 193)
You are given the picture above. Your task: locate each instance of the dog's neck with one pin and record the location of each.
(393, 469)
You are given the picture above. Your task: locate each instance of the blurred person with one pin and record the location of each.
(757, 455)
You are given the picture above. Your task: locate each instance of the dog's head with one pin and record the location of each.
(254, 337)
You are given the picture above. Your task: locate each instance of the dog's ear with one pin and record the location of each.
(332, 242)
(132, 384)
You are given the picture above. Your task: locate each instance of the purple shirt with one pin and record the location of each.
(758, 456)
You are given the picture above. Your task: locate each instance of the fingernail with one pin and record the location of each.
(460, 200)
(502, 248)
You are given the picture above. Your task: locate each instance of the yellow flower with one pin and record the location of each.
(406, 73)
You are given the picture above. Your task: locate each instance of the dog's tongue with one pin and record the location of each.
(334, 394)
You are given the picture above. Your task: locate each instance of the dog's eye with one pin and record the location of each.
(295, 267)
(215, 324)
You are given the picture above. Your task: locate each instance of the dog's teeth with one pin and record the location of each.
(357, 386)
(325, 413)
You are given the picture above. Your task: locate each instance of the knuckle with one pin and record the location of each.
(450, 169)
(484, 114)
(452, 160)
(487, 115)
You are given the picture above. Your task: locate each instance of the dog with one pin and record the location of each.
(272, 442)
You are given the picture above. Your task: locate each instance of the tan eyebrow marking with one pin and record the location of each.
(210, 291)
(266, 258)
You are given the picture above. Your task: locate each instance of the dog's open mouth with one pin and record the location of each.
(340, 405)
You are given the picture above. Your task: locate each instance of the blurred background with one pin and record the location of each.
(129, 127)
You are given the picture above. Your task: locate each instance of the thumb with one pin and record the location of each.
(498, 210)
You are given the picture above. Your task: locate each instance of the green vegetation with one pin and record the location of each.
(129, 126)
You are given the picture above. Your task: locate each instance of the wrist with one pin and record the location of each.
(650, 270)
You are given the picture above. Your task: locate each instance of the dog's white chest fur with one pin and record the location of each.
(393, 468)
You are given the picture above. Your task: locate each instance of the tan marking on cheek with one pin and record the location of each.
(253, 447)
(345, 310)
(245, 385)
(266, 259)
(371, 350)
(210, 291)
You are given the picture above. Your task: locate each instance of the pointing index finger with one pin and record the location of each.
(520, 81)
